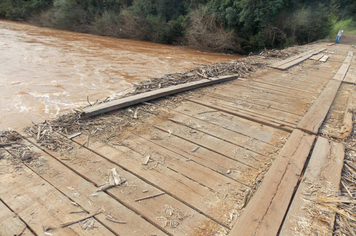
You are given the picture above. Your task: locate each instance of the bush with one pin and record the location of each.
(204, 33)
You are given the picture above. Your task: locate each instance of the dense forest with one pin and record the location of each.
(239, 26)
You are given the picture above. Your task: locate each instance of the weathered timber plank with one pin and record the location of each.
(267, 207)
(351, 74)
(40, 205)
(223, 134)
(257, 108)
(290, 88)
(309, 82)
(317, 57)
(231, 122)
(288, 92)
(231, 108)
(217, 162)
(233, 151)
(221, 106)
(160, 177)
(85, 194)
(315, 116)
(94, 168)
(324, 58)
(128, 101)
(340, 74)
(202, 175)
(299, 60)
(10, 223)
(264, 99)
(279, 63)
(323, 171)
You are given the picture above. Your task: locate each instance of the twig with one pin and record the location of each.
(89, 101)
(77, 221)
(116, 221)
(207, 112)
(149, 197)
(74, 135)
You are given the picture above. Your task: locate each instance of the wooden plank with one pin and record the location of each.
(246, 112)
(321, 179)
(85, 194)
(299, 60)
(217, 162)
(224, 134)
(258, 109)
(315, 116)
(279, 63)
(317, 57)
(264, 213)
(351, 74)
(233, 123)
(290, 88)
(190, 193)
(233, 151)
(93, 167)
(230, 109)
(40, 205)
(340, 75)
(128, 101)
(198, 173)
(324, 58)
(284, 91)
(10, 223)
(264, 99)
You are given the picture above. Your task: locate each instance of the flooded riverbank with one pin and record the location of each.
(45, 72)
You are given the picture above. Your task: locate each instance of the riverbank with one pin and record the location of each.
(237, 27)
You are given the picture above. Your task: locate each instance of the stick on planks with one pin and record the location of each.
(128, 101)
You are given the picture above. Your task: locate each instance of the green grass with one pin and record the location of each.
(348, 25)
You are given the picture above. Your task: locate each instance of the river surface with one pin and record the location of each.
(46, 72)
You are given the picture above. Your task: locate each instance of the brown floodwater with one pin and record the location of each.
(46, 72)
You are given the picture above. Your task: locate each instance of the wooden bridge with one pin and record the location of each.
(235, 159)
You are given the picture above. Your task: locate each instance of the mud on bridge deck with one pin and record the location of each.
(227, 159)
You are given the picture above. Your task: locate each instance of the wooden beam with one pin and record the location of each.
(340, 74)
(289, 62)
(279, 63)
(132, 100)
(323, 172)
(266, 210)
(317, 57)
(299, 60)
(315, 116)
(324, 58)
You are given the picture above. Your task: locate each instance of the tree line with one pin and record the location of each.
(238, 26)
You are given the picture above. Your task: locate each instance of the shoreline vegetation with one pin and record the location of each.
(229, 26)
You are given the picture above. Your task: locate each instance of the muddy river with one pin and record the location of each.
(46, 72)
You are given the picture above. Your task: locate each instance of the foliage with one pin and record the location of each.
(216, 25)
